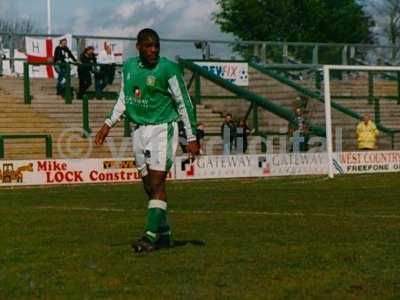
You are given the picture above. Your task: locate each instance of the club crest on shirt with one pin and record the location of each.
(150, 80)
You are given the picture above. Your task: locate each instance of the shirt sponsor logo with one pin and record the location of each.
(137, 92)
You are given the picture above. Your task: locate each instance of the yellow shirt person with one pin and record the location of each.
(367, 134)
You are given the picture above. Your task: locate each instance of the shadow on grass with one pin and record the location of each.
(177, 243)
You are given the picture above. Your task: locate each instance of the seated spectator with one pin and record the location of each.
(228, 134)
(367, 133)
(62, 55)
(242, 132)
(85, 69)
(200, 137)
(107, 68)
(299, 132)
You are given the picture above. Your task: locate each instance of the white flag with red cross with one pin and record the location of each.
(40, 50)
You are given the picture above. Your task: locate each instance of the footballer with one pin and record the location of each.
(153, 96)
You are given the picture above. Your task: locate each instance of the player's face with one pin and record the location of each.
(149, 51)
(63, 44)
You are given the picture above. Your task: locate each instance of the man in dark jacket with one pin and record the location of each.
(87, 66)
(228, 134)
(62, 55)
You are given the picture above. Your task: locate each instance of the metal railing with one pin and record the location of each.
(68, 92)
(316, 95)
(285, 53)
(47, 138)
(85, 114)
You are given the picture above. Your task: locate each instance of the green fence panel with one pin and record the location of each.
(371, 92)
(260, 101)
(27, 90)
(1, 147)
(47, 138)
(68, 91)
(315, 95)
(85, 116)
(127, 126)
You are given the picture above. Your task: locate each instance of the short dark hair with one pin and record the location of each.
(88, 48)
(62, 40)
(147, 33)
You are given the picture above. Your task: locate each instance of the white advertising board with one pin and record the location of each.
(75, 171)
(229, 166)
(70, 171)
(367, 162)
(235, 72)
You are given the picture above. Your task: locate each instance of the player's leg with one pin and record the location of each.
(164, 139)
(163, 148)
(139, 140)
(157, 209)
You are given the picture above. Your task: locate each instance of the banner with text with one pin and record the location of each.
(297, 164)
(367, 162)
(73, 171)
(237, 73)
(229, 166)
(70, 171)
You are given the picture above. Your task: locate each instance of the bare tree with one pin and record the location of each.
(8, 27)
(387, 16)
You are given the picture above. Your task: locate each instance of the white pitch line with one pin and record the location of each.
(210, 212)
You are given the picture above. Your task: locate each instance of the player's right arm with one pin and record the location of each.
(114, 117)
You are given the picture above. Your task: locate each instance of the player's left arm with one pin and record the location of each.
(184, 105)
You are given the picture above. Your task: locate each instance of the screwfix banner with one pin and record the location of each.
(237, 73)
(70, 171)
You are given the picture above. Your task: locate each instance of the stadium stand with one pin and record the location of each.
(286, 96)
(48, 114)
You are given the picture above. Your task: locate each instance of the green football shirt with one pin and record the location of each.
(154, 96)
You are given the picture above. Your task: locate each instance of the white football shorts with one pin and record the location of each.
(154, 146)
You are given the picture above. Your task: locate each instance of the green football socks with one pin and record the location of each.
(156, 219)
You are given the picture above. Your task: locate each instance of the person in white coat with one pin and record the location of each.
(106, 74)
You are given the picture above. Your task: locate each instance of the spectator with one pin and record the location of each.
(87, 66)
(299, 132)
(200, 137)
(182, 136)
(62, 55)
(228, 133)
(242, 132)
(2, 56)
(367, 133)
(107, 69)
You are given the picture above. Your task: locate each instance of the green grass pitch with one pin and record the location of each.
(286, 238)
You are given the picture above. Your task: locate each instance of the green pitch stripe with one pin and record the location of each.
(170, 140)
